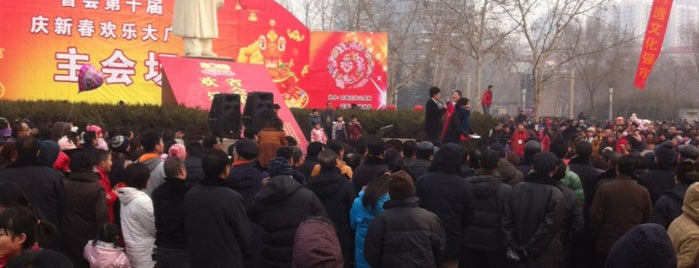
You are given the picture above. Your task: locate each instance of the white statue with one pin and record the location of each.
(196, 22)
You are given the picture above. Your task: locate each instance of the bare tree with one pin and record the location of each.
(542, 24)
(480, 28)
(601, 52)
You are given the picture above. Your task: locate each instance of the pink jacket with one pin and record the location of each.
(319, 136)
(103, 255)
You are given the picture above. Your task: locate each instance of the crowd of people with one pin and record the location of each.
(554, 193)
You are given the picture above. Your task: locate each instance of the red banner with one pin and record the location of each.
(349, 68)
(653, 42)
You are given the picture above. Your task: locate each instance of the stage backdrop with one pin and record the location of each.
(349, 68)
(47, 41)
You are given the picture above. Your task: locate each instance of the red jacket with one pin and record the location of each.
(518, 140)
(111, 196)
(487, 98)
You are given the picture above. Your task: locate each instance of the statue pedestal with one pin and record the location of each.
(210, 58)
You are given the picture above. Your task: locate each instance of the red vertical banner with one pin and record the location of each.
(653, 42)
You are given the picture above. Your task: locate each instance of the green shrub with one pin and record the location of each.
(406, 123)
(139, 118)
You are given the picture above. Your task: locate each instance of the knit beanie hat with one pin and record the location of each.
(401, 186)
(665, 153)
(278, 166)
(119, 143)
(544, 163)
(532, 147)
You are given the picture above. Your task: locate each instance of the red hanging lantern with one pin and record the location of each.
(253, 7)
(391, 107)
(418, 108)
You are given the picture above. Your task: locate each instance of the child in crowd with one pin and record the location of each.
(20, 231)
(103, 251)
(318, 134)
(355, 129)
(339, 131)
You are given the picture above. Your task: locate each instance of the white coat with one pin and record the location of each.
(138, 226)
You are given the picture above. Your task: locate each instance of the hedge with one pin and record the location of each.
(141, 118)
(406, 123)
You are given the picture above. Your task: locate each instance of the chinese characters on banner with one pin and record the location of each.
(47, 41)
(52, 39)
(653, 42)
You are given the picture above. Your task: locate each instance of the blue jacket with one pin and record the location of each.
(360, 218)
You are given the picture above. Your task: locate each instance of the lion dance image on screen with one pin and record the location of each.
(269, 49)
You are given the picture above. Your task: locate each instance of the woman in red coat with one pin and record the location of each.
(518, 139)
(455, 96)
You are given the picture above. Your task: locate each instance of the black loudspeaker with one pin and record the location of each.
(224, 116)
(257, 106)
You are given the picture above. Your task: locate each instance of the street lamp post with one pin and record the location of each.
(611, 98)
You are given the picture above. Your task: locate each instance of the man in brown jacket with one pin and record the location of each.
(618, 206)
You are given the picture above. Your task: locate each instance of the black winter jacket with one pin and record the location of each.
(217, 227)
(448, 195)
(42, 184)
(168, 208)
(404, 235)
(367, 171)
(337, 194)
(588, 178)
(246, 179)
(418, 167)
(669, 206)
(280, 206)
(533, 218)
(484, 229)
(195, 172)
(85, 212)
(657, 182)
(308, 165)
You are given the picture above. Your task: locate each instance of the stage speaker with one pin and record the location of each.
(258, 110)
(224, 116)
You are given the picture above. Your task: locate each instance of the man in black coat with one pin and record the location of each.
(424, 155)
(328, 116)
(280, 206)
(581, 165)
(192, 164)
(337, 194)
(311, 160)
(661, 178)
(445, 193)
(217, 225)
(246, 173)
(483, 235)
(434, 110)
(372, 166)
(404, 235)
(534, 216)
(168, 207)
(42, 184)
(531, 148)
